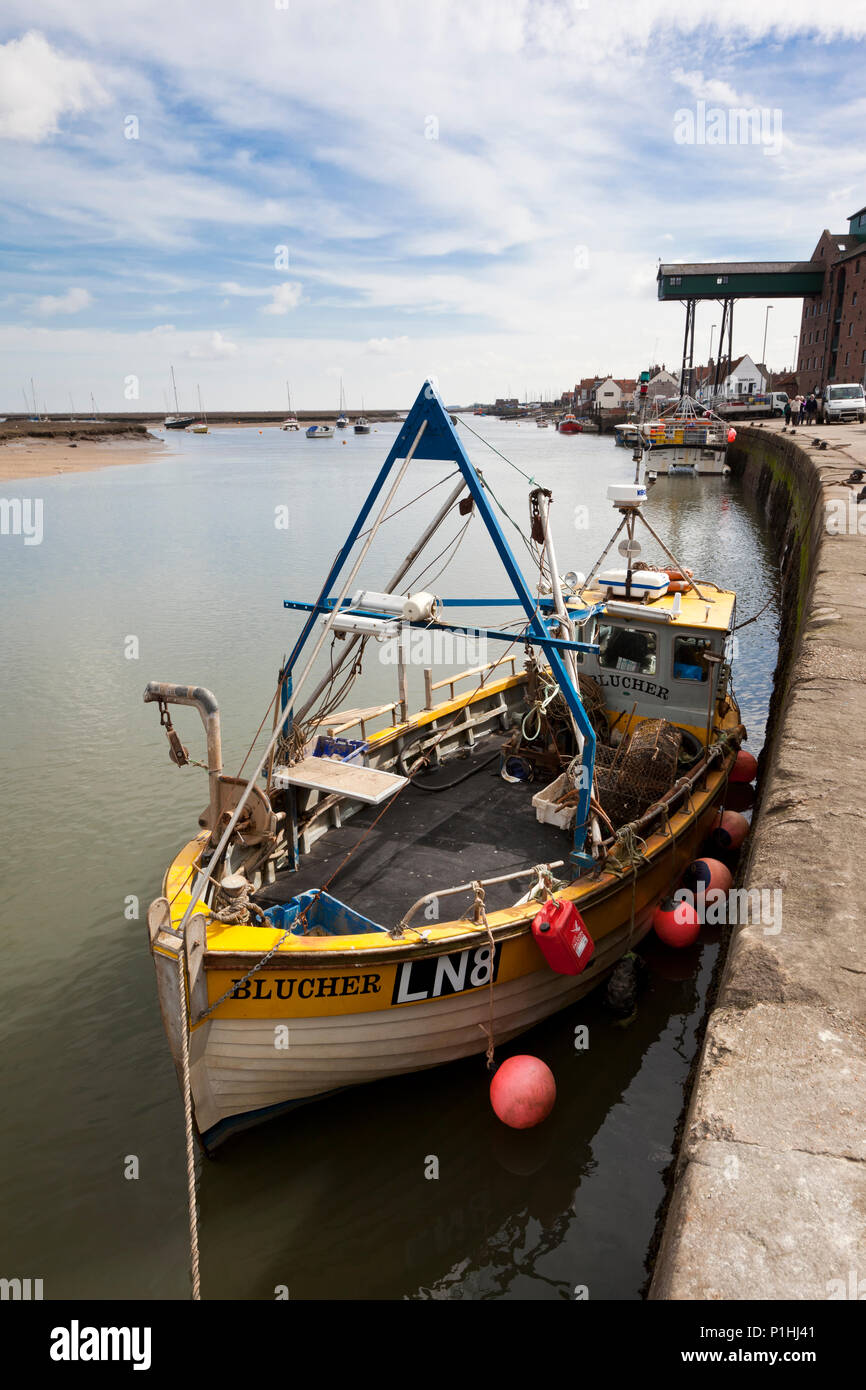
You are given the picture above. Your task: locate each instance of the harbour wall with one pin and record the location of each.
(768, 1199)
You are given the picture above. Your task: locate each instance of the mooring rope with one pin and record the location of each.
(481, 919)
(188, 1125)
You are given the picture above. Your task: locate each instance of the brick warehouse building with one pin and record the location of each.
(833, 325)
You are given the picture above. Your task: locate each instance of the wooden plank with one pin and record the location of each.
(366, 784)
(473, 671)
(345, 718)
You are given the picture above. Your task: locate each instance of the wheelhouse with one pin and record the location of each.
(666, 657)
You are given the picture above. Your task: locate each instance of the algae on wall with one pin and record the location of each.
(786, 483)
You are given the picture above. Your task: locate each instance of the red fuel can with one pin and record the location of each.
(561, 934)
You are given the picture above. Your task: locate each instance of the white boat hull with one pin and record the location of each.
(237, 1072)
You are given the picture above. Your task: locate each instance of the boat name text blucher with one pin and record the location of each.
(658, 692)
(309, 987)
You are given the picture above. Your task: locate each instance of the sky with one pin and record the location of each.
(310, 190)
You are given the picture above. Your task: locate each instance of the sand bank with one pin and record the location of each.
(40, 458)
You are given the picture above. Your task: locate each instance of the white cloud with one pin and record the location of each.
(231, 287)
(38, 85)
(285, 297)
(710, 88)
(386, 346)
(215, 348)
(539, 151)
(72, 302)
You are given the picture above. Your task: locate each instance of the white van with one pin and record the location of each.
(844, 402)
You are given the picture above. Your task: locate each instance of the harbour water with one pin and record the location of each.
(176, 570)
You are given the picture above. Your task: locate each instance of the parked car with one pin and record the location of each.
(843, 402)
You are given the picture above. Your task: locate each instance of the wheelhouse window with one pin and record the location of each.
(626, 649)
(689, 664)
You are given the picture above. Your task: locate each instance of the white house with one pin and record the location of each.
(608, 395)
(662, 384)
(745, 378)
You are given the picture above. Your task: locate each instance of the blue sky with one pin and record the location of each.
(478, 192)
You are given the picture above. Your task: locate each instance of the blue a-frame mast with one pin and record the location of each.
(440, 441)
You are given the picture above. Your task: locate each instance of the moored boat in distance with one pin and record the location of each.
(177, 421)
(626, 435)
(380, 929)
(291, 420)
(361, 425)
(342, 419)
(688, 438)
(569, 425)
(320, 432)
(201, 426)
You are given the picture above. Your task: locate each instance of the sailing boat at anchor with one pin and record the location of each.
(342, 419)
(176, 421)
(201, 426)
(291, 420)
(383, 940)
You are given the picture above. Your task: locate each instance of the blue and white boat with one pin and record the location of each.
(320, 432)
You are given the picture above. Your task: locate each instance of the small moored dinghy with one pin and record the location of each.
(391, 890)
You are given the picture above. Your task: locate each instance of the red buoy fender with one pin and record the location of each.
(523, 1092)
(676, 923)
(739, 796)
(745, 767)
(712, 873)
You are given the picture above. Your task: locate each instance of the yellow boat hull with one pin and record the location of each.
(326, 1013)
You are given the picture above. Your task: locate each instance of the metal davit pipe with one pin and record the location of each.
(206, 704)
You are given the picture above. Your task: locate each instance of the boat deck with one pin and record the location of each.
(429, 841)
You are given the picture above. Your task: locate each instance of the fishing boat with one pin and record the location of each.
(291, 420)
(342, 419)
(569, 425)
(320, 432)
(201, 426)
(375, 897)
(177, 421)
(688, 438)
(361, 425)
(542, 423)
(626, 436)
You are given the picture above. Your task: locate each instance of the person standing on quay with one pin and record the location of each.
(787, 413)
(795, 408)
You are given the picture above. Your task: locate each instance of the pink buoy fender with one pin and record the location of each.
(712, 873)
(730, 831)
(523, 1092)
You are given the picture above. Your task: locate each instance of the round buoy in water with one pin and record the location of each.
(730, 831)
(676, 923)
(732, 434)
(745, 767)
(712, 873)
(523, 1092)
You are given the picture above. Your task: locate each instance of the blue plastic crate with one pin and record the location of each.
(347, 750)
(325, 913)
